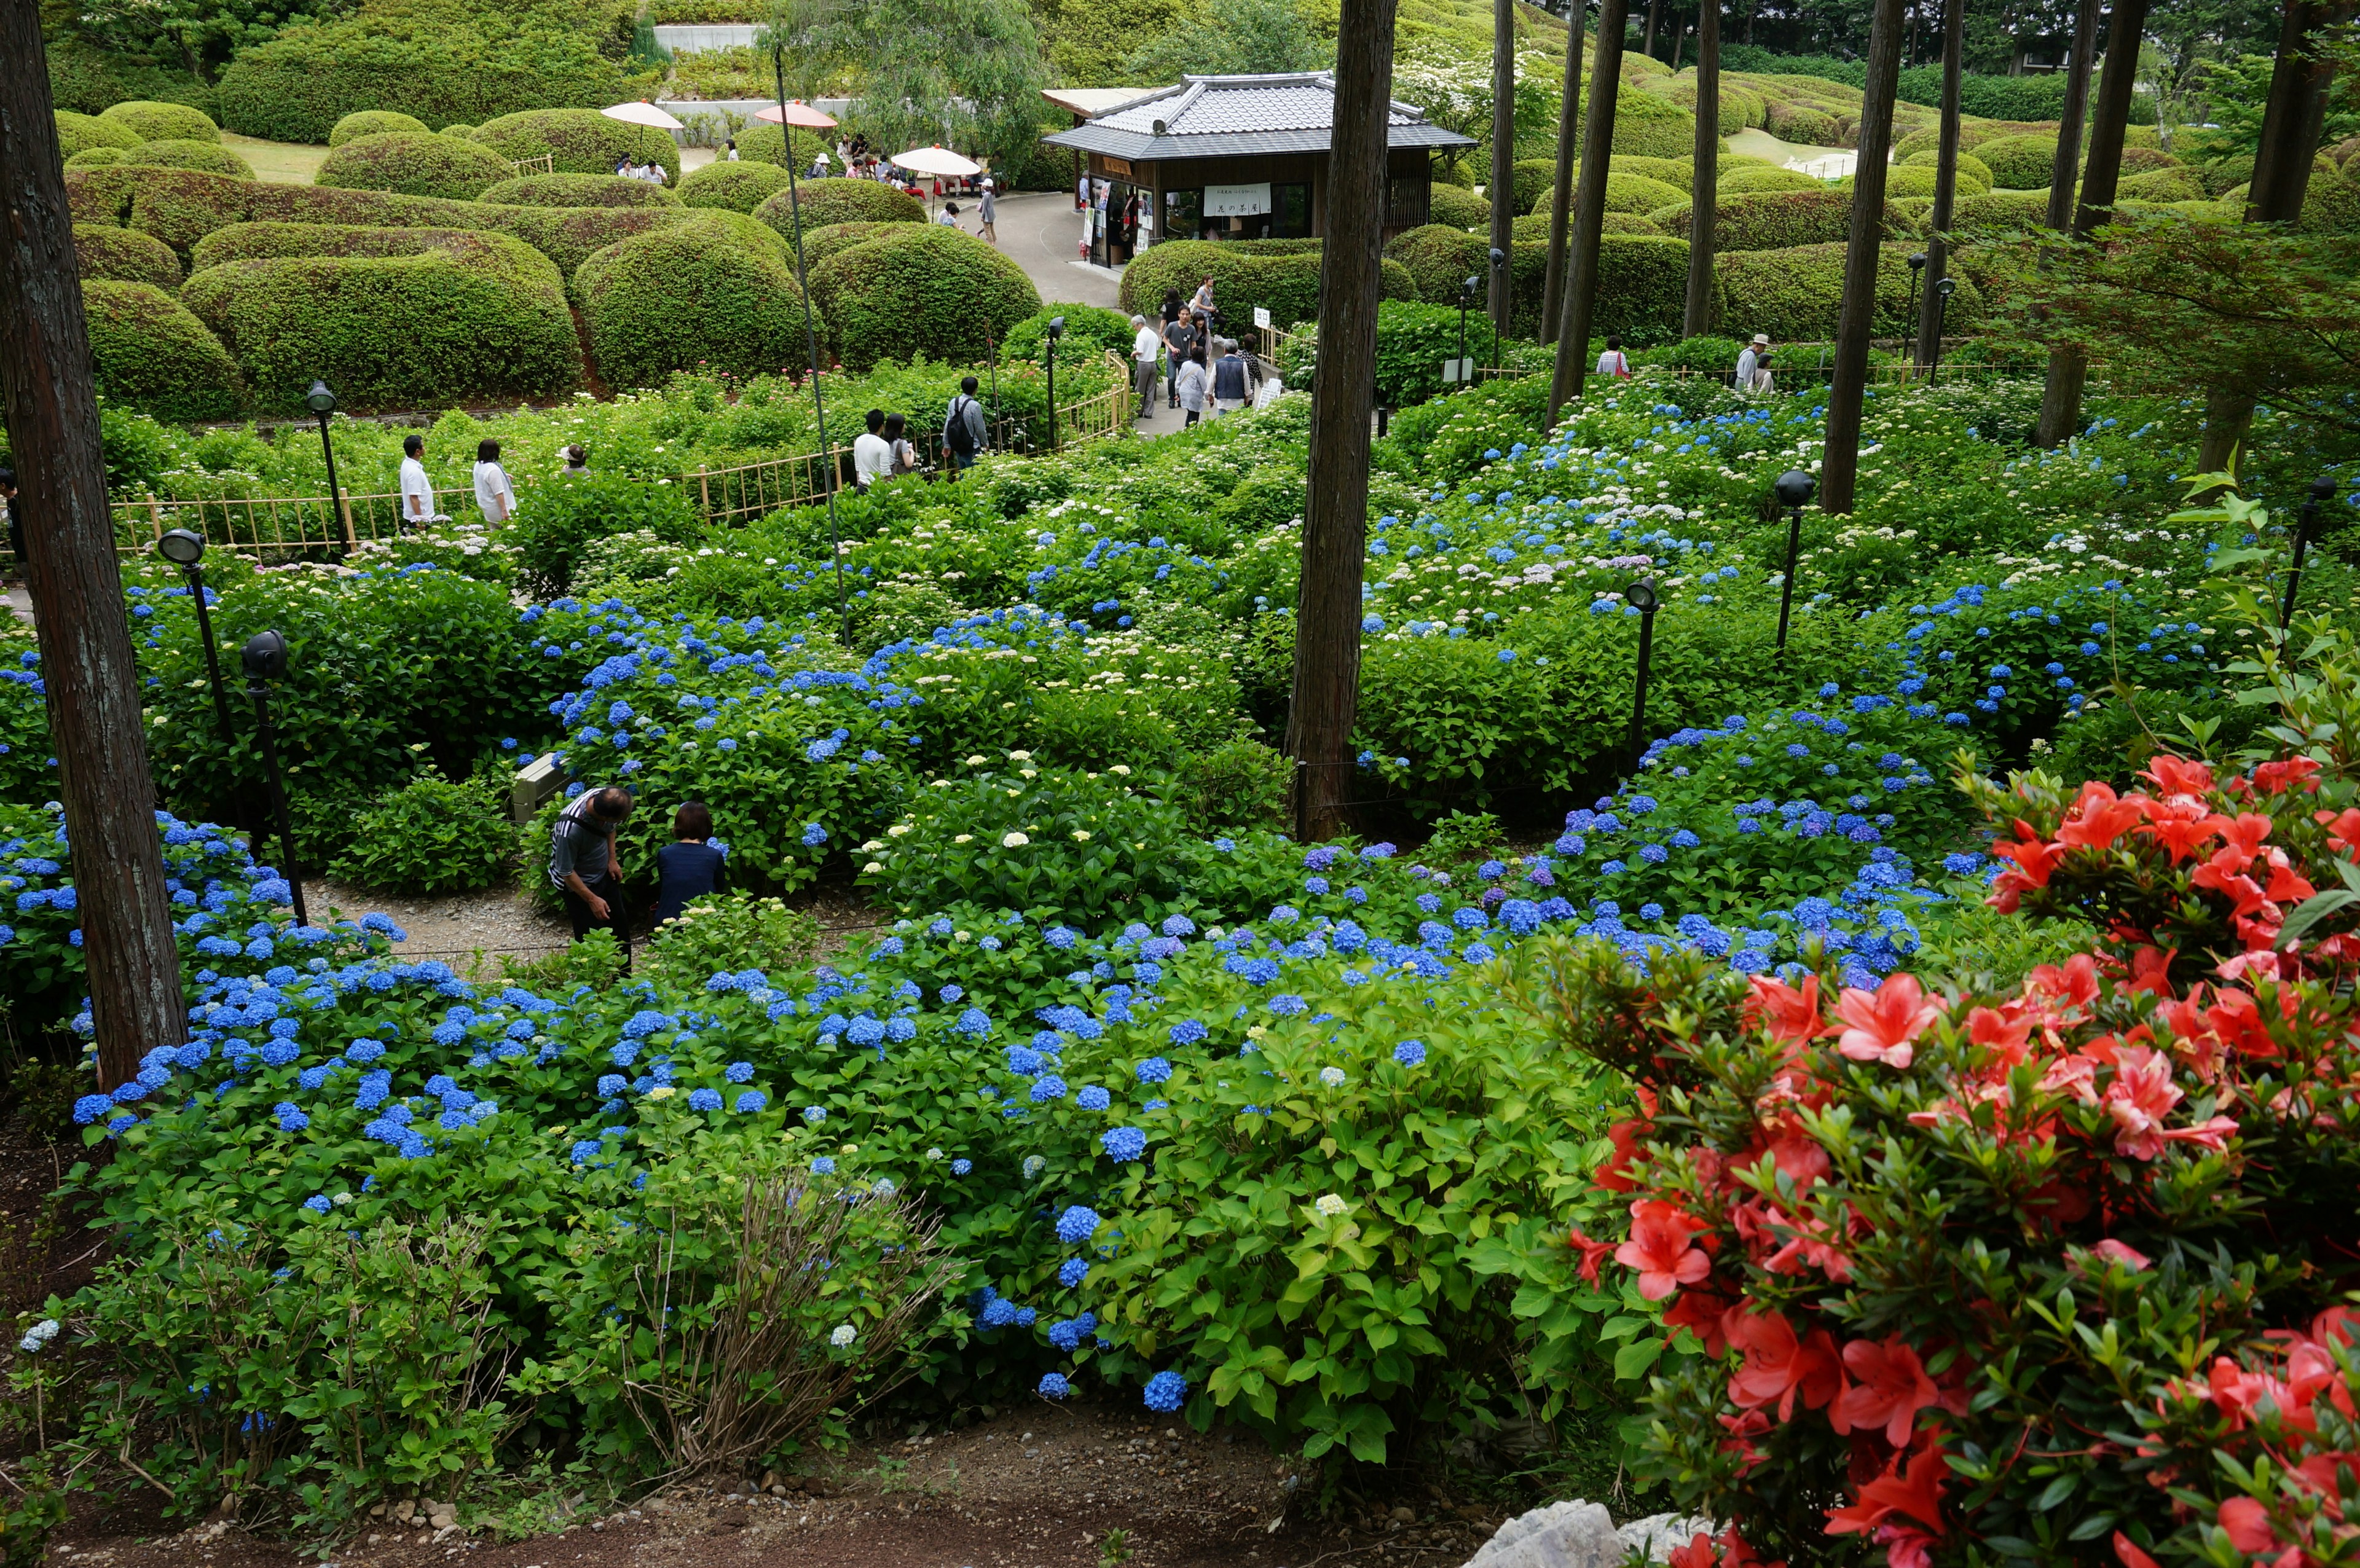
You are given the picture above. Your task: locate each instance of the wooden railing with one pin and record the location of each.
(300, 525)
(521, 167)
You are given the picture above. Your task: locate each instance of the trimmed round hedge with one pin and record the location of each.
(2020, 163)
(411, 163)
(1774, 220)
(732, 187)
(1809, 126)
(1534, 179)
(920, 289)
(1648, 127)
(1969, 165)
(152, 122)
(79, 133)
(821, 243)
(1642, 279)
(1797, 294)
(685, 297)
(207, 157)
(2164, 185)
(827, 201)
(578, 190)
(96, 157)
(1088, 329)
(1676, 171)
(580, 141)
(2139, 159)
(1280, 276)
(761, 143)
(457, 129)
(1534, 225)
(392, 318)
(155, 355)
(1459, 209)
(375, 123)
(1744, 181)
(1637, 193)
(124, 255)
(1904, 182)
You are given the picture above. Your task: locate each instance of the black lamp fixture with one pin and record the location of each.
(1642, 596)
(1057, 330)
(1794, 489)
(2322, 490)
(1499, 276)
(1918, 260)
(265, 657)
(1942, 290)
(323, 403)
(1466, 302)
(187, 552)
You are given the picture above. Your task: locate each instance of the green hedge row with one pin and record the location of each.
(1282, 275)
(1642, 279)
(823, 203)
(1775, 220)
(78, 132)
(153, 354)
(207, 157)
(761, 143)
(732, 187)
(124, 255)
(414, 163)
(914, 289)
(85, 80)
(374, 123)
(693, 295)
(577, 141)
(1797, 294)
(578, 190)
(391, 317)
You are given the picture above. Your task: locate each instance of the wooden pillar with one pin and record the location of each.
(1839, 468)
(2060, 400)
(1343, 394)
(1568, 121)
(1946, 185)
(1696, 319)
(85, 640)
(1503, 155)
(1588, 208)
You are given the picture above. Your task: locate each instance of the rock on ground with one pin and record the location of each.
(1580, 1534)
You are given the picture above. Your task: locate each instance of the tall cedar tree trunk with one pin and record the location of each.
(1696, 319)
(1946, 186)
(2292, 122)
(1336, 515)
(1568, 120)
(1648, 44)
(1503, 160)
(1862, 252)
(2072, 114)
(2060, 400)
(85, 640)
(1588, 208)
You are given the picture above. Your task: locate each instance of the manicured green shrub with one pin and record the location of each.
(153, 354)
(734, 187)
(1536, 177)
(456, 128)
(95, 157)
(2020, 163)
(1089, 331)
(2224, 175)
(1999, 211)
(1457, 209)
(1675, 171)
(1969, 165)
(2330, 204)
(579, 191)
(919, 288)
(413, 164)
(580, 141)
(1777, 219)
(124, 255)
(1641, 287)
(437, 61)
(1648, 127)
(826, 201)
(1534, 226)
(394, 318)
(1797, 294)
(208, 157)
(686, 296)
(560, 516)
(820, 243)
(78, 132)
(760, 143)
(163, 122)
(431, 835)
(1812, 127)
(2139, 159)
(1637, 193)
(1745, 181)
(2164, 185)
(375, 123)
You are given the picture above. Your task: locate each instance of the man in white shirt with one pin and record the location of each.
(872, 455)
(1146, 345)
(417, 490)
(1749, 362)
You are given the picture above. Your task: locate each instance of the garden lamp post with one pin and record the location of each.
(265, 657)
(1057, 330)
(2322, 490)
(1942, 290)
(1917, 275)
(1466, 300)
(1793, 488)
(1641, 597)
(186, 551)
(323, 403)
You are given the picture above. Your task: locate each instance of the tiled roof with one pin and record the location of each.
(1233, 116)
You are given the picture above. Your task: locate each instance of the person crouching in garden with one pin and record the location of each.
(582, 859)
(689, 867)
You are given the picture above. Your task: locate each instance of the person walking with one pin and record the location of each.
(964, 431)
(988, 210)
(1192, 382)
(417, 490)
(1749, 362)
(1230, 391)
(581, 863)
(494, 494)
(872, 459)
(1612, 363)
(904, 455)
(1146, 345)
(1203, 303)
(1180, 337)
(1082, 194)
(1172, 306)
(689, 867)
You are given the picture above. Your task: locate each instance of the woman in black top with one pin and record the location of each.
(690, 868)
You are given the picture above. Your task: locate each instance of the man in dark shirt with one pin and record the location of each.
(1179, 336)
(688, 869)
(582, 858)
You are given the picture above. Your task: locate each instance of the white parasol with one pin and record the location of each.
(641, 114)
(937, 160)
(797, 113)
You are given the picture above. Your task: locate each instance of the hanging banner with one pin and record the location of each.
(1237, 201)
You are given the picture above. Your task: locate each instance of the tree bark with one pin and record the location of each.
(1335, 513)
(2068, 127)
(2291, 121)
(1568, 120)
(85, 638)
(1648, 44)
(1695, 320)
(1946, 185)
(2060, 400)
(1864, 251)
(1588, 208)
(1503, 158)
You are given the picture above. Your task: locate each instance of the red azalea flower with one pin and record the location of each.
(1778, 1367)
(1913, 1489)
(1882, 1024)
(1661, 1250)
(1891, 1389)
(1593, 1253)
(2097, 818)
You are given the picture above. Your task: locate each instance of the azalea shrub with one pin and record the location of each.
(2054, 1274)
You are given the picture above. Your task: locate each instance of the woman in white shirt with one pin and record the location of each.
(494, 494)
(1194, 384)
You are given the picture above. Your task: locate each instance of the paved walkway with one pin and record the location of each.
(1040, 232)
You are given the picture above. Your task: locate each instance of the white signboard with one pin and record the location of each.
(1455, 370)
(1237, 201)
(1261, 316)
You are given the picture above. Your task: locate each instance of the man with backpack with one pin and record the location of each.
(964, 431)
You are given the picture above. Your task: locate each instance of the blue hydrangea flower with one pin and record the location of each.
(751, 1101)
(1155, 1070)
(1187, 1031)
(1410, 1053)
(1166, 1392)
(1123, 1144)
(824, 1166)
(1076, 1225)
(1053, 1386)
(318, 1202)
(1094, 1098)
(1072, 1272)
(961, 1167)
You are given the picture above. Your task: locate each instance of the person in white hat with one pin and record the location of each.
(1750, 376)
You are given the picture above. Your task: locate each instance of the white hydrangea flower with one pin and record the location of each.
(1330, 1205)
(1013, 841)
(845, 1334)
(1331, 1076)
